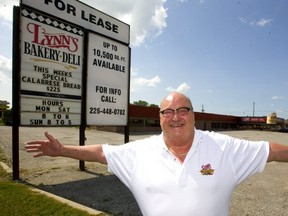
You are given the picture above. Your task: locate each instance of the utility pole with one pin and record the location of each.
(253, 109)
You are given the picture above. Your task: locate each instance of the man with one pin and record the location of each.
(183, 171)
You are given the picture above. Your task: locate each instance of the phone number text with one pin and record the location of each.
(108, 111)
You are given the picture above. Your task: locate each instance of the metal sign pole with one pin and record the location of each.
(82, 128)
(16, 87)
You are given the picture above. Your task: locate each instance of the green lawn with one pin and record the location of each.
(17, 199)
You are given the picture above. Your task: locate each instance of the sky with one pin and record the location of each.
(229, 57)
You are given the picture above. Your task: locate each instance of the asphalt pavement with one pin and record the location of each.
(96, 188)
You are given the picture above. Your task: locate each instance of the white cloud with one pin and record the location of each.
(147, 19)
(184, 87)
(143, 88)
(158, 19)
(261, 23)
(5, 78)
(5, 68)
(6, 10)
(277, 98)
(242, 20)
(140, 81)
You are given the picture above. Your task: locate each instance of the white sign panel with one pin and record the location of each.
(51, 65)
(84, 15)
(49, 111)
(107, 81)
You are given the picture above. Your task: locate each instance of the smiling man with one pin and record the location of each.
(182, 171)
(177, 123)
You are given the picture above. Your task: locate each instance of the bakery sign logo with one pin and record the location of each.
(47, 45)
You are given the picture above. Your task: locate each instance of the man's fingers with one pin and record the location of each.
(42, 142)
(50, 137)
(46, 147)
(33, 148)
(38, 155)
(34, 144)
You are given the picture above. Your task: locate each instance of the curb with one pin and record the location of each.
(69, 202)
(5, 167)
(58, 198)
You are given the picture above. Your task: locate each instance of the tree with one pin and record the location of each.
(7, 117)
(154, 105)
(141, 103)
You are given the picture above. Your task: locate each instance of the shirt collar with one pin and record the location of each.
(195, 142)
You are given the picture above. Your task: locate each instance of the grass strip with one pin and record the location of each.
(18, 199)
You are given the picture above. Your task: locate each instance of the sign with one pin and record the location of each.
(52, 61)
(51, 67)
(272, 118)
(107, 81)
(254, 119)
(84, 15)
(49, 111)
(48, 65)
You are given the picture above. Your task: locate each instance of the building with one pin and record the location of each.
(143, 118)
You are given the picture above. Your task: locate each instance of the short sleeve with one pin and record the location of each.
(248, 157)
(120, 160)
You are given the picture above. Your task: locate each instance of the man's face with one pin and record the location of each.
(177, 124)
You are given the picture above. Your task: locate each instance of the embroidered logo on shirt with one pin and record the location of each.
(207, 169)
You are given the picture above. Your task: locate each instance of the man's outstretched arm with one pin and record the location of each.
(53, 148)
(278, 152)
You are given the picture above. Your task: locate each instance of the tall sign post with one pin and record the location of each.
(73, 69)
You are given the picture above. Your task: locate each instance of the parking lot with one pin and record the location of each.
(263, 194)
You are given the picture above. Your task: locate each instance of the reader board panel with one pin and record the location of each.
(51, 66)
(49, 111)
